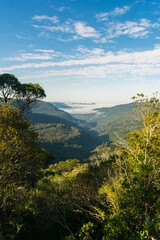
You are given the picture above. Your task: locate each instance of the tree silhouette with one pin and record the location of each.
(23, 96)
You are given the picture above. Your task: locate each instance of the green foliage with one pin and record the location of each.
(9, 87)
(112, 121)
(115, 195)
(20, 160)
(62, 138)
(20, 154)
(134, 187)
(47, 108)
(68, 165)
(22, 96)
(66, 198)
(87, 231)
(28, 94)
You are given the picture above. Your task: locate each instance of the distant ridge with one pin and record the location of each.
(61, 105)
(50, 109)
(117, 120)
(68, 137)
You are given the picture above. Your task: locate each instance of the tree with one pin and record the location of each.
(133, 188)
(20, 154)
(23, 95)
(9, 87)
(21, 158)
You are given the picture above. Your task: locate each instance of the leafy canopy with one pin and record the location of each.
(21, 158)
(23, 95)
(133, 188)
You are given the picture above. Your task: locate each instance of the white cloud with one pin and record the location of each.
(30, 56)
(88, 52)
(44, 54)
(44, 34)
(62, 9)
(66, 39)
(22, 37)
(62, 28)
(119, 11)
(133, 29)
(40, 18)
(116, 12)
(106, 71)
(65, 27)
(140, 62)
(44, 50)
(103, 40)
(85, 31)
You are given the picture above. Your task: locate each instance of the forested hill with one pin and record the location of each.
(118, 120)
(116, 111)
(106, 112)
(63, 136)
(60, 134)
(49, 109)
(114, 195)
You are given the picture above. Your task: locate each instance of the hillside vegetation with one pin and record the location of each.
(62, 138)
(115, 195)
(50, 109)
(66, 137)
(113, 121)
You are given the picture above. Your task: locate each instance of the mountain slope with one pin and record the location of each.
(118, 120)
(62, 138)
(61, 135)
(49, 109)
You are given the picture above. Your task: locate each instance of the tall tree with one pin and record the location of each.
(9, 87)
(21, 158)
(23, 95)
(133, 188)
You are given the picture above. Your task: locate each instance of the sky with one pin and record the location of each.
(99, 51)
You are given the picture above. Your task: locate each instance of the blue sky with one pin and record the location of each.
(82, 50)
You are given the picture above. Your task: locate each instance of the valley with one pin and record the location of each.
(75, 136)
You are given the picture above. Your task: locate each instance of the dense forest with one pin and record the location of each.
(112, 194)
(61, 134)
(76, 136)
